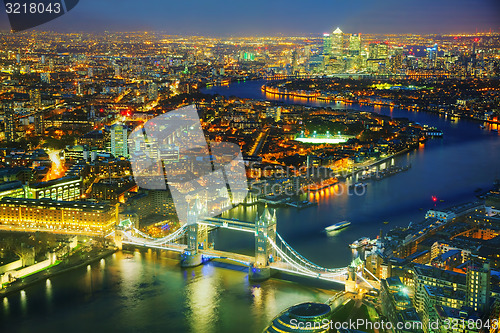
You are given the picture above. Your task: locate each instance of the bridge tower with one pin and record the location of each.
(118, 239)
(351, 284)
(197, 236)
(265, 230)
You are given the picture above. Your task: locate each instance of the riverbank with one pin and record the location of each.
(314, 95)
(67, 265)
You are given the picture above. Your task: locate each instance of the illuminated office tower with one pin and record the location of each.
(45, 77)
(152, 91)
(373, 51)
(119, 145)
(432, 55)
(10, 124)
(91, 113)
(478, 286)
(35, 98)
(90, 72)
(355, 44)
(327, 44)
(383, 50)
(337, 43)
(39, 123)
(117, 70)
(294, 60)
(397, 58)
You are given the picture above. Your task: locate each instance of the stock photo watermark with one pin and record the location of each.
(27, 14)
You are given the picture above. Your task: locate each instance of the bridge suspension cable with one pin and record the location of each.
(300, 267)
(305, 261)
(156, 241)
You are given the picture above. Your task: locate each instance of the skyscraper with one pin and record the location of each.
(118, 136)
(373, 51)
(337, 43)
(383, 50)
(117, 70)
(45, 77)
(478, 286)
(152, 91)
(355, 44)
(35, 98)
(10, 124)
(39, 123)
(327, 44)
(397, 58)
(432, 55)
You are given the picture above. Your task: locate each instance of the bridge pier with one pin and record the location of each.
(118, 239)
(259, 273)
(190, 258)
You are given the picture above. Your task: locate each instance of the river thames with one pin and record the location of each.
(149, 292)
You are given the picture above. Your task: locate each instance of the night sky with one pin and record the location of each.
(272, 17)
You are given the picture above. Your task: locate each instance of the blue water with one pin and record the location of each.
(451, 168)
(149, 292)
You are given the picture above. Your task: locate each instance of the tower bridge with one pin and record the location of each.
(272, 252)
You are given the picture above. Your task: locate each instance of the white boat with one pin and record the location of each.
(363, 241)
(337, 226)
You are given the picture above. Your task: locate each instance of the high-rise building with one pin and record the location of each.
(117, 70)
(355, 44)
(337, 43)
(397, 58)
(327, 44)
(90, 72)
(373, 51)
(39, 123)
(35, 98)
(432, 55)
(118, 137)
(10, 124)
(152, 91)
(45, 77)
(478, 286)
(383, 51)
(91, 113)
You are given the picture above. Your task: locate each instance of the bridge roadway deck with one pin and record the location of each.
(228, 255)
(289, 269)
(168, 246)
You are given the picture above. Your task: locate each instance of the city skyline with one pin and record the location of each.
(159, 182)
(240, 19)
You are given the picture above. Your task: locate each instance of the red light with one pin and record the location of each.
(434, 198)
